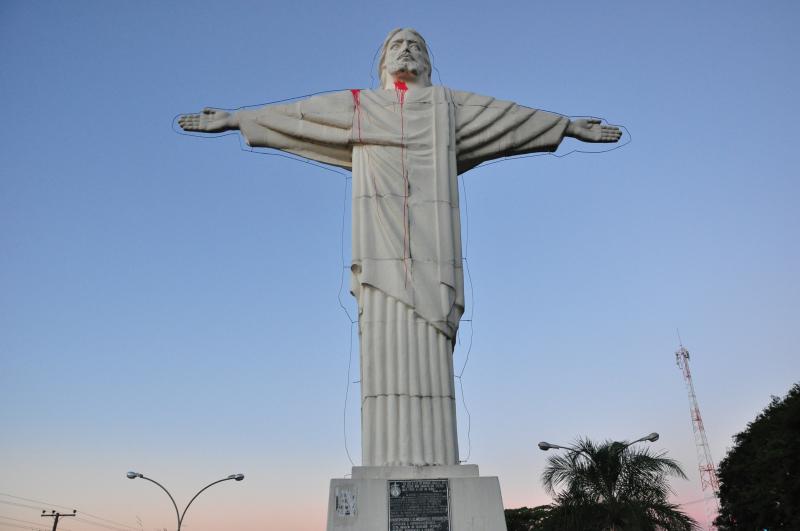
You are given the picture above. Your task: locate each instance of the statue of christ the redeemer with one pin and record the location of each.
(406, 143)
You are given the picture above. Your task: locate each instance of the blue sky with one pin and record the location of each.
(171, 303)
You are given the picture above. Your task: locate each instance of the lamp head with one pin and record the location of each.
(133, 475)
(653, 437)
(544, 446)
(237, 477)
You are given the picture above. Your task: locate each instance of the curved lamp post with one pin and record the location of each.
(178, 514)
(544, 446)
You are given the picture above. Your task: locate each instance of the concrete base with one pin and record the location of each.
(362, 502)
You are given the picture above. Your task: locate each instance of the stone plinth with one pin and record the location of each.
(361, 503)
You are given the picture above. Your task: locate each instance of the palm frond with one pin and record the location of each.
(610, 485)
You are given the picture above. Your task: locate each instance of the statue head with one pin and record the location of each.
(404, 57)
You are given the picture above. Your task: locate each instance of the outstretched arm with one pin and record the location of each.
(592, 130)
(317, 128)
(210, 121)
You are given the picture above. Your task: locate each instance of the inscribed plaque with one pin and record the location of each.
(419, 505)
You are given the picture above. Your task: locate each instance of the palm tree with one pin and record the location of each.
(613, 486)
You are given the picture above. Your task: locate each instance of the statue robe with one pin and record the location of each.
(406, 150)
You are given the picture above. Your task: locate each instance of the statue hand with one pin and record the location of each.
(592, 130)
(208, 121)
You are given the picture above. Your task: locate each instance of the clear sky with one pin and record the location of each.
(170, 304)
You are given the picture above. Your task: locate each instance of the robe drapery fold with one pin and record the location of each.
(408, 404)
(406, 150)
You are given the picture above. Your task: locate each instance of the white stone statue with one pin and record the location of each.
(405, 143)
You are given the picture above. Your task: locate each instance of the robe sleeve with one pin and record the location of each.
(318, 128)
(487, 129)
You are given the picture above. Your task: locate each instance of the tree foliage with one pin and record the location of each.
(760, 475)
(612, 486)
(526, 519)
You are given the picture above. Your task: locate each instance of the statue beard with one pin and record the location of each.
(404, 66)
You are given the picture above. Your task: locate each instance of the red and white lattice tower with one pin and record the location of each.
(708, 472)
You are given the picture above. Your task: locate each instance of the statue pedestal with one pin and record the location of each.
(408, 498)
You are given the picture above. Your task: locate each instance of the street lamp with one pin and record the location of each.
(544, 446)
(653, 437)
(133, 475)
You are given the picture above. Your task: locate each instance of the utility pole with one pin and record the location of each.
(55, 516)
(708, 472)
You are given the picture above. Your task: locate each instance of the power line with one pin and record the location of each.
(109, 521)
(22, 527)
(104, 526)
(84, 513)
(34, 501)
(77, 518)
(20, 505)
(18, 520)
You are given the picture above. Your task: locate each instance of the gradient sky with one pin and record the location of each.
(170, 304)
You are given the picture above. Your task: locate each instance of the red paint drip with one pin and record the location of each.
(357, 102)
(400, 89)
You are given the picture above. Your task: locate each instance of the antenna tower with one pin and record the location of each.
(708, 472)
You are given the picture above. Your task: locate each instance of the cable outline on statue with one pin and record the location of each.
(481, 103)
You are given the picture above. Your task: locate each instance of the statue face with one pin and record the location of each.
(406, 58)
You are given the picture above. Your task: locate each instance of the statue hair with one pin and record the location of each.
(425, 75)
